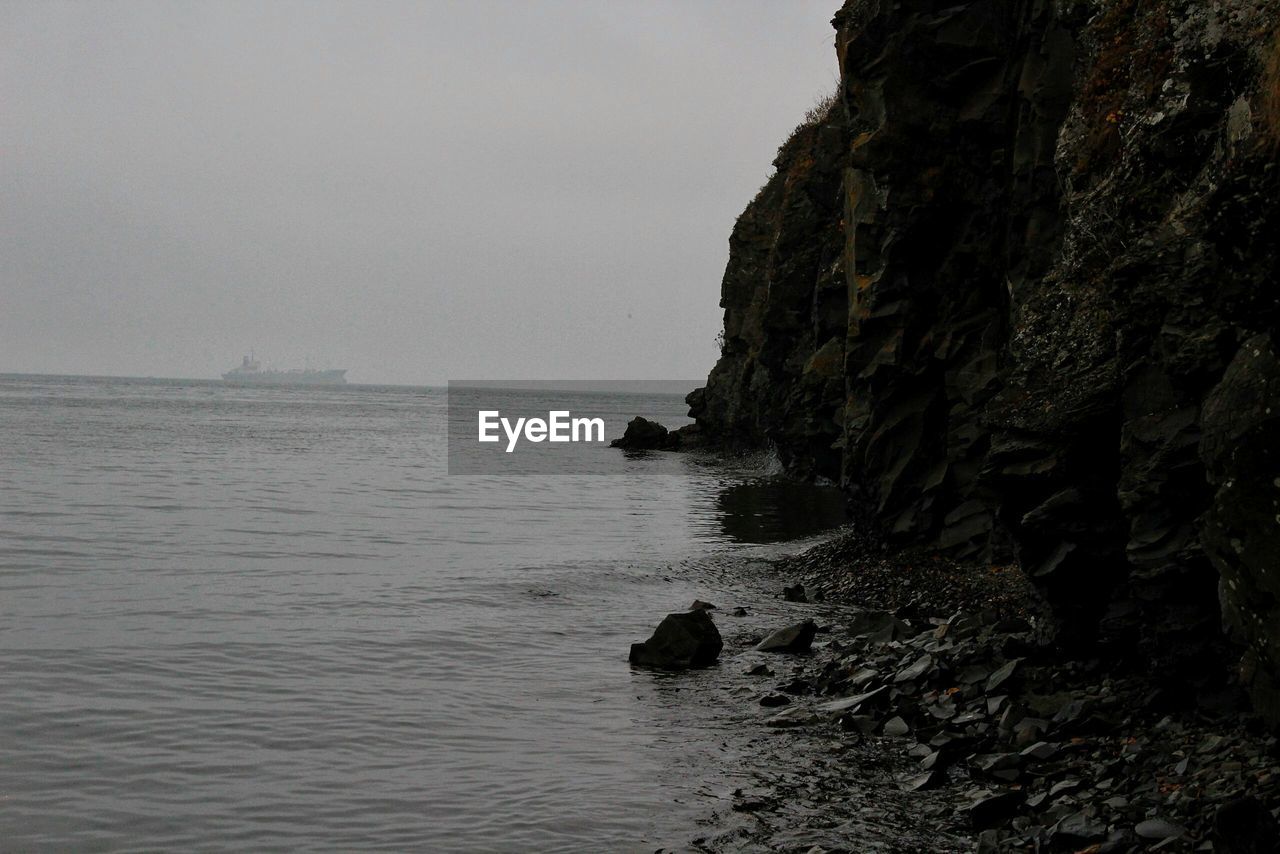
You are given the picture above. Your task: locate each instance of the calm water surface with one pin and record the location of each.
(267, 619)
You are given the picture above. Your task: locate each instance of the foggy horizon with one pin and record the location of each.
(413, 192)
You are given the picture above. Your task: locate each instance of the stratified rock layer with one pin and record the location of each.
(1017, 289)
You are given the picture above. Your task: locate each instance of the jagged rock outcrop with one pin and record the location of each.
(1017, 289)
(643, 434)
(780, 379)
(1241, 530)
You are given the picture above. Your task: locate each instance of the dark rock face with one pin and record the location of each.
(1244, 826)
(779, 381)
(1016, 290)
(680, 642)
(1241, 530)
(645, 435)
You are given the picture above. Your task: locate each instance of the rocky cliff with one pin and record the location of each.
(1016, 288)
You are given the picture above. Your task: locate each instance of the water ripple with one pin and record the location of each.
(265, 619)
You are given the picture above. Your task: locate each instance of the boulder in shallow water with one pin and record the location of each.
(689, 437)
(645, 435)
(795, 593)
(680, 642)
(796, 638)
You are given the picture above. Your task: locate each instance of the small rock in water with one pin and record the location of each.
(758, 670)
(739, 611)
(749, 804)
(643, 434)
(795, 638)
(681, 641)
(794, 593)
(699, 605)
(770, 701)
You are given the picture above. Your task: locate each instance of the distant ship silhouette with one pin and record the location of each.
(251, 373)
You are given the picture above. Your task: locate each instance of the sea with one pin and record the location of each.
(270, 619)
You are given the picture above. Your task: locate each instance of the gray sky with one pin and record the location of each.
(412, 191)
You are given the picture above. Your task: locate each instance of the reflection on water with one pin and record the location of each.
(773, 510)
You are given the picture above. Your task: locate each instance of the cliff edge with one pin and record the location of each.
(1016, 288)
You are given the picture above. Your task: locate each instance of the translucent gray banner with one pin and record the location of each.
(522, 427)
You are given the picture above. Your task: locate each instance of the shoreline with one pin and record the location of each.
(968, 727)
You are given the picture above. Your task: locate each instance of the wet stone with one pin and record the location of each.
(862, 724)
(793, 638)
(1070, 712)
(869, 698)
(749, 804)
(681, 641)
(896, 726)
(1028, 732)
(942, 711)
(1003, 675)
(933, 760)
(915, 670)
(878, 627)
(1158, 828)
(1040, 751)
(989, 763)
(794, 717)
(861, 677)
(930, 779)
(1063, 787)
(1078, 827)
